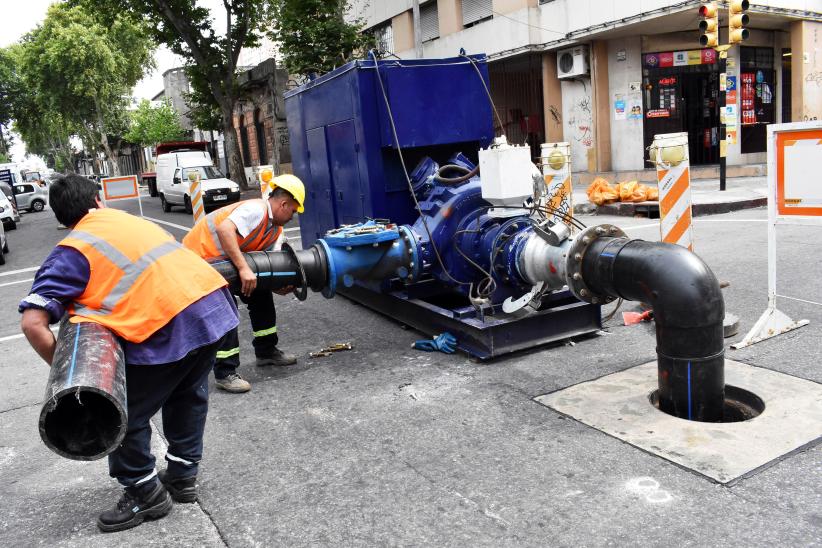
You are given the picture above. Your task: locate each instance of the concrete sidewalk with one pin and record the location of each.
(707, 199)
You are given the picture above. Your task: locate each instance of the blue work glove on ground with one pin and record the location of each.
(446, 342)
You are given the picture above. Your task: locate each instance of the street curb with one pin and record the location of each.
(651, 209)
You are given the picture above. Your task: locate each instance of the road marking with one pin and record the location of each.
(641, 226)
(30, 269)
(17, 282)
(291, 229)
(180, 227)
(53, 328)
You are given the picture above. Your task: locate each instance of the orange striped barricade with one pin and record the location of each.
(121, 188)
(264, 177)
(195, 190)
(669, 152)
(263, 174)
(555, 159)
(794, 198)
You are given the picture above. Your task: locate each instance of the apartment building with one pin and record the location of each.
(607, 75)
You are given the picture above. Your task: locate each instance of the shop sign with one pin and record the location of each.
(658, 113)
(723, 81)
(730, 136)
(680, 58)
(730, 83)
(651, 60)
(730, 97)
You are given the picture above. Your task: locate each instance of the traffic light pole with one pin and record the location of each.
(723, 146)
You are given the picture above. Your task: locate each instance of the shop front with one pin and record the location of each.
(681, 94)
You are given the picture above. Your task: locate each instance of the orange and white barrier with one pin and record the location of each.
(669, 152)
(121, 188)
(264, 177)
(794, 198)
(195, 190)
(555, 159)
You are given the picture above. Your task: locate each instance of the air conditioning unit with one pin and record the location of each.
(572, 62)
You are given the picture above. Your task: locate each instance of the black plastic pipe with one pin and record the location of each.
(301, 269)
(688, 312)
(84, 413)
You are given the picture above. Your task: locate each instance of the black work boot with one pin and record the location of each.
(137, 504)
(181, 489)
(276, 359)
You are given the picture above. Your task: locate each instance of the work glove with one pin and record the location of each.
(446, 342)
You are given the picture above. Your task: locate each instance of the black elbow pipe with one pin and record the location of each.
(688, 312)
(301, 269)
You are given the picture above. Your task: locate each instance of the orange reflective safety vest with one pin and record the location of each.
(203, 239)
(140, 276)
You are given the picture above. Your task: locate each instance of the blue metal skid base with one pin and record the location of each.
(562, 316)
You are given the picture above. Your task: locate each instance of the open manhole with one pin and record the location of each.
(740, 405)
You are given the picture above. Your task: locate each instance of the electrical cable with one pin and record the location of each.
(613, 312)
(407, 177)
(487, 91)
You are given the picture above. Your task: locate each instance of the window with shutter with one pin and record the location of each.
(474, 11)
(384, 37)
(429, 21)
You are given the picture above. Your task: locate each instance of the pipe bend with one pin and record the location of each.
(680, 287)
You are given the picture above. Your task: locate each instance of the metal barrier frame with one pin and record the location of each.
(773, 322)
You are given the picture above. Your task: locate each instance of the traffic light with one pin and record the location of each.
(709, 26)
(737, 21)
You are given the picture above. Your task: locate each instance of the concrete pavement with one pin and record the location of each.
(384, 445)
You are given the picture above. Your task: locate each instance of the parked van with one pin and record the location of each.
(173, 171)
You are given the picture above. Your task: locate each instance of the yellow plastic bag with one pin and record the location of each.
(600, 192)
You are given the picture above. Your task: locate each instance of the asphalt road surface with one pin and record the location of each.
(387, 446)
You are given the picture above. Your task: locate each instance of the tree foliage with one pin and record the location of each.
(150, 124)
(189, 31)
(79, 72)
(314, 36)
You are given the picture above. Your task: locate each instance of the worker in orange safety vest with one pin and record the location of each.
(169, 309)
(250, 225)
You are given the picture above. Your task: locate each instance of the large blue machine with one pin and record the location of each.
(451, 261)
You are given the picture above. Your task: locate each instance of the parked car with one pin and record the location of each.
(4, 244)
(8, 210)
(31, 196)
(173, 169)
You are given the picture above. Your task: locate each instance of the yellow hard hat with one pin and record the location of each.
(293, 185)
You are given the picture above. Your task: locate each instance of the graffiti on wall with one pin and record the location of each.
(581, 121)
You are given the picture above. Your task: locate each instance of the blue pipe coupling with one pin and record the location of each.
(374, 250)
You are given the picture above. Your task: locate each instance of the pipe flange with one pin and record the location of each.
(300, 292)
(573, 261)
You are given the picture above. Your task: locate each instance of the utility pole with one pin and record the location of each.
(709, 37)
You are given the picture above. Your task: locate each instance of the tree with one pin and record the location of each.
(150, 124)
(189, 31)
(45, 132)
(83, 71)
(314, 36)
(9, 90)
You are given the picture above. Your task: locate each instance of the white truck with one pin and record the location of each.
(173, 169)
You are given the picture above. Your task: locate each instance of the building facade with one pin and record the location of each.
(607, 75)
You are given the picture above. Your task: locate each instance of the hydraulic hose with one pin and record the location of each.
(688, 312)
(467, 174)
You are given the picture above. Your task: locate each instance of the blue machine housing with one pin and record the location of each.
(343, 148)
